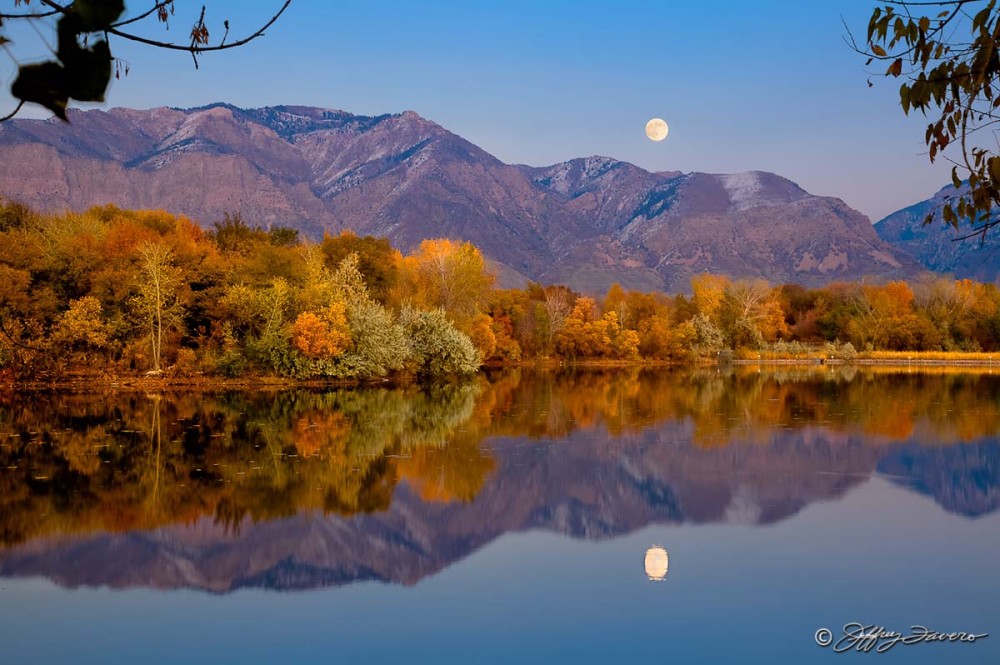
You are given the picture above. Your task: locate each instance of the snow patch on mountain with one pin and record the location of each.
(753, 189)
(744, 189)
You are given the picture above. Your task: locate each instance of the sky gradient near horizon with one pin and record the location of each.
(768, 85)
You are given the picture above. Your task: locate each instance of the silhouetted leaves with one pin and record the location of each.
(80, 73)
(953, 76)
(83, 65)
(43, 84)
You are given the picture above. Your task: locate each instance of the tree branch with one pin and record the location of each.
(13, 113)
(34, 15)
(190, 48)
(135, 19)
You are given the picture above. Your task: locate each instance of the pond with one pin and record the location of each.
(524, 516)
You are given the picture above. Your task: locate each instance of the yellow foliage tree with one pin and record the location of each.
(883, 317)
(448, 274)
(81, 327)
(624, 342)
(709, 294)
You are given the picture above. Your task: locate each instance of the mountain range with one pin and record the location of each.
(586, 223)
(938, 246)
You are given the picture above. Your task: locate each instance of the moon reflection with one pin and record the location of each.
(656, 563)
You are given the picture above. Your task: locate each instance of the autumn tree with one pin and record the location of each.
(378, 261)
(583, 333)
(751, 314)
(505, 344)
(319, 288)
(588, 334)
(558, 304)
(451, 275)
(81, 328)
(624, 342)
(379, 343)
(482, 332)
(884, 318)
(945, 53)
(158, 301)
(233, 235)
(258, 312)
(28, 300)
(323, 334)
(962, 310)
(515, 323)
(709, 294)
(616, 300)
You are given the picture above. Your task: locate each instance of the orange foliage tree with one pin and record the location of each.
(323, 334)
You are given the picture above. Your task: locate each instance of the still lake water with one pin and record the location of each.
(504, 520)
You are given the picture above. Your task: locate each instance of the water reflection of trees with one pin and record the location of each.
(72, 462)
(84, 462)
(746, 404)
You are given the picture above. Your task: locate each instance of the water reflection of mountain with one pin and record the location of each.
(963, 479)
(353, 494)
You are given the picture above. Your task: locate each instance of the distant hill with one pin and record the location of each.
(587, 222)
(936, 245)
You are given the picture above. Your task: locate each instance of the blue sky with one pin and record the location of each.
(764, 84)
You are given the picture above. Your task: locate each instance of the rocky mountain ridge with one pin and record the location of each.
(587, 222)
(938, 246)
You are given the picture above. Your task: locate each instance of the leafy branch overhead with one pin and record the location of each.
(946, 54)
(83, 63)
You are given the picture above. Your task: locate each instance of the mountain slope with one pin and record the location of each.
(937, 245)
(586, 222)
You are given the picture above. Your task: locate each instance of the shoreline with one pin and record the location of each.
(84, 382)
(879, 362)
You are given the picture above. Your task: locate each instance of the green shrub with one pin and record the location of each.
(437, 347)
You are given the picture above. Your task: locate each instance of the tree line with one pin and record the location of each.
(131, 291)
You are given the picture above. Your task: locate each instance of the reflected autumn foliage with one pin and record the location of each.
(744, 403)
(74, 462)
(121, 462)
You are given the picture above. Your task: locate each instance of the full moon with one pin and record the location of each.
(656, 129)
(656, 563)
